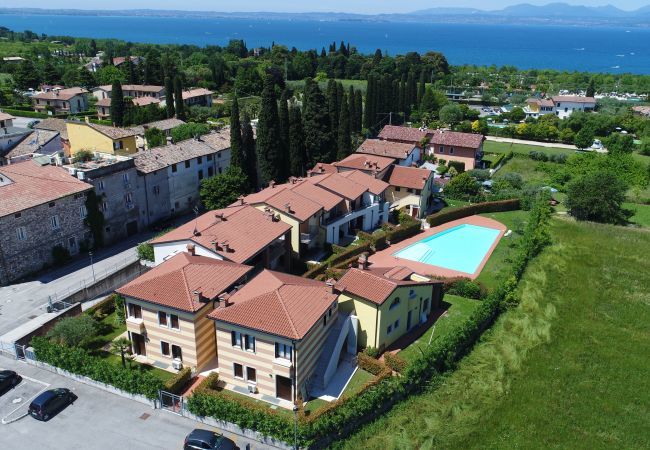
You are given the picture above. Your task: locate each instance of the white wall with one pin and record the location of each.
(163, 250)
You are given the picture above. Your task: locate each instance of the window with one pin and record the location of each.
(17, 215)
(235, 338)
(389, 330)
(83, 212)
(398, 189)
(283, 351)
(100, 185)
(125, 177)
(156, 190)
(209, 157)
(21, 232)
(411, 293)
(442, 149)
(199, 160)
(118, 145)
(395, 303)
(210, 171)
(54, 222)
(324, 320)
(187, 164)
(177, 353)
(51, 204)
(135, 311)
(251, 374)
(218, 155)
(72, 243)
(249, 343)
(164, 348)
(174, 322)
(162, 319)
(200, 174)
(451, 151)
(425, 304)
(128, 198)
(238, 370)
(396, 325)
(174, 168)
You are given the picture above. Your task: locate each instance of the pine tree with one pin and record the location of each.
(316, 125)
(421, 88)
(179, 105)
(249, 155)
(169, 97)
(297, 154)
(268, 134)
(344, 140)
(117, 104)
(591, 88)
(236, 158)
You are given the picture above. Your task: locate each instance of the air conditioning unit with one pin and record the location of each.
(177, 364)
(252, 388)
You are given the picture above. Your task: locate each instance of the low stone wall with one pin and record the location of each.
(74, 310)
(108, 283)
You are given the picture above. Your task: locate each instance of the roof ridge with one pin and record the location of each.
(286, 311)
(4, 169)
(188, 295)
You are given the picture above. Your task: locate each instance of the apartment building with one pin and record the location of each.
(406, 154)
(130, 90)
(61, 101)
(100, 138)
(466, 148)
(410, 189)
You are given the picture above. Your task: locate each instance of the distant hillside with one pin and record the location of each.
(555, 10)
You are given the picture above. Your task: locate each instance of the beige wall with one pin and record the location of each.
(461, 154)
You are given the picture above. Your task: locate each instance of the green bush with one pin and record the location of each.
(373, 352)
(177, 383)
(21, 113)
(466, 211)
(145, 251)
(467, 288)
(395, 362)
(120, 313)
(315, 271)
(370, 364)
(73, 331)
(351, 251)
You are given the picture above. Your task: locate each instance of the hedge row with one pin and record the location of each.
(177, 383)
(21, 113)
(478, 208)
(338, 258)
(395, 362)
(370, 364)
(80, 362)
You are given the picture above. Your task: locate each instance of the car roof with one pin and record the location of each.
(6, 373)
(202, 435)
(45, 396)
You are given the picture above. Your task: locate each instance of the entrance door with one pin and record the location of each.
(139, 347)
(132, 228)
(283, 387)
(408, 321)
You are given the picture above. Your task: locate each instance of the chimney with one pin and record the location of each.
(321, 169)
(240, 200)
(331, 282)
(363, 261)
(87, 119)
(271, 184)
(225, 245)
(310, 173)
(287, 207)
(224, 299)
(191, 249)
(197, 296)
(219, 217)
(215, 245)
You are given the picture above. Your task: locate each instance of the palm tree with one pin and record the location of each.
(121, 346)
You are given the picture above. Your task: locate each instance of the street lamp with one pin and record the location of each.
(92, 267)
(295, 427)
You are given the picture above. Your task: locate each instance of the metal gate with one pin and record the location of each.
(172, 402)
(20, 351)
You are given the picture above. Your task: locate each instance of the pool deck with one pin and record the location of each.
(385, 257)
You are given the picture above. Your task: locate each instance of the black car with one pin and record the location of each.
(207, 440)
(8, 380)
(50, 402)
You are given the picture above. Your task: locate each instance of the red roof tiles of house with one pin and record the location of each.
(376, 186)
(541, 102)
(27, 184)
(279, 304)
(361, 161)
(244, 229)
(340, 185)
(322, 196)
(457, 139)
(145, 101)
(409, 177)
(198, 92)
(175, 282)
(389, 149)
(5, 116)
(294, 204)
(323, 168)
(573, 99)
(376, 284)
(403, 134)
(63, 94)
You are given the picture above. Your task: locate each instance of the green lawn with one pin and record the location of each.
(641, 214)
(458, 310)
(358, 380)
(503, 147)
(567, 369)
(530, 170)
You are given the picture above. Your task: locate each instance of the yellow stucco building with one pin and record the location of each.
(100, 138)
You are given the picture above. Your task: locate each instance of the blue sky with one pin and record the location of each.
(361, 6)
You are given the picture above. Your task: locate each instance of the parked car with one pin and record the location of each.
(8, 380)
(47, 404)
(205, 439)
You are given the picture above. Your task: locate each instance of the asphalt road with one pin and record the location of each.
(97, 419)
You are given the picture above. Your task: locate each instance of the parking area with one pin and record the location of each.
(96, 420)
(14, 402)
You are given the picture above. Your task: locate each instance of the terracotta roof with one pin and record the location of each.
(57, 125)
(541, 101)
(196, 93)
(375, 185)
(361, 161)
(63, 94)
(246, 230)
(457, 139)
(397, 133)
(111, 132)
(33, 142)
(294, 204)
(145, 101)
(31, 184)
(5, 116)
(409, 177)
(218, 140)
(163, 125)
(322, 196)
(321, 168)
(279, 304)
(122, 59)
(134, 87)
(158, 158)
(105, 102)
(573, 99)
(388, 149)
(376, 284)
(337, 183)
(173, 282)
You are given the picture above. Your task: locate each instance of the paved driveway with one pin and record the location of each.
(97, 420)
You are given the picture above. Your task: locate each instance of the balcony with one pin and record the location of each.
(306, 238)
(135, 325)
(282, 367)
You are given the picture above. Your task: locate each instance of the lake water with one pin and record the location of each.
(596, 49)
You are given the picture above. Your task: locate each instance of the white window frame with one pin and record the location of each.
(236, 377)
(83, 212)
(178, 319)
(246, 374)
(248, 339)
(160, 324)
(21, 233)
(169, 349)
(451, 150)
(283, 351)
(100, 185)
(238, 341)
(55, 223)
(441, 149)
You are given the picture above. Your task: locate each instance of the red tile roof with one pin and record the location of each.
(246, 230)
(409, 177)
(361, 161)
(279, 304)
(144, 101)
(457, 139)
(174, 282)
(541, 102)
(389, 149)
(322, 168)
(294, 204)
(321, 196)
(375, 185)
(340, 185)
(27, 184)
(573, 99)
(63, 94)
(376, 284)
(198, 92)
(5, 116)
(408, 134)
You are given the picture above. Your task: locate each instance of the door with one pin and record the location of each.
(408, 321)
(283, 387)
(139, 347)
(132, 228)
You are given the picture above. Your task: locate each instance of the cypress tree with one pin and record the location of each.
(316, 124)
(297, 156)
(249, 156)
(344, 140)
(401, 101)
(117, 104)
(332, 106)
(179, 105)
(236, 158)
(421, 87)
(410, 92)
(358, 111)
(283, 122)
(268, 135)
(169, 97)
(132, 76)
(395, 101)
(352, 114)
(591, 88)
(368, 113)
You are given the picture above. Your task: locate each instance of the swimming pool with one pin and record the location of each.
(461, 248)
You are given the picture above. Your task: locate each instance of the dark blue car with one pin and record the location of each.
(47, 404)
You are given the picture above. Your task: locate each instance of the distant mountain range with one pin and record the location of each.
(552, 13)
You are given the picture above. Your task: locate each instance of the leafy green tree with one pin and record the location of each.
(584, 138)
(121, 346)
(268, 135)
(110, 74)
(155, 137)
(26, 75)
(344, 140)
(120, 311)
(597, 196)
(169, 97)
(644, 148)
(451, 114)
(618, 143)
(145, 251)
(316, 124)
(249, 154)
(432, 101)
(297, 155)
(117, 104)
(188, 130)
(236, 158)
(462, 187)
(222, 190)
(179, 104)
(591, 88)
(74, 331)
(516, 115)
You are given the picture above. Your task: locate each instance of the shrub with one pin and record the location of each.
(83, 156)
(315, 271)
(479, 174)
(458, 165)
(177, 383)
(60, 255)
(120, 313)
(467, 288)
(395, 362)
(466, 211)
(370, 364)
(145, 251)
(538, 156)
(73, 331)
(353, 250)
(373, 352)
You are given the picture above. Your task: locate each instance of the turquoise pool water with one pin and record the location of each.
(460, 248)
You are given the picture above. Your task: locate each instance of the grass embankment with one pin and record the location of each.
(524, 149)
(641, 215)
(566, 369)
(358, 380)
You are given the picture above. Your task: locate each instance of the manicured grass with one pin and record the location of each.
(641, 214)
(567, 368)
(504, 147)
(107, 331)
(458, 310)
(358, 380)
(237, 396)
(163, 375)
